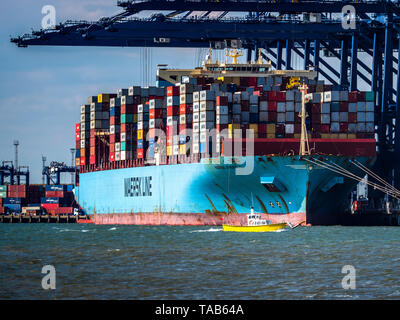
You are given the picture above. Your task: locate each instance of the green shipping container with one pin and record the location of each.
(370, 96)
(126, 118)
(3, 194)
(3, 188)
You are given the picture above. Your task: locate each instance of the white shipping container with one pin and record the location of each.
(196, 106)
(196, 96)
(117, 156)
(196, 126)
(196, 147)
(115, 102)
(118, 146)
(175, 139)
(123, 136)
(204, 126)
(85, 108)
(289, 128)
(196, 117)
(173, 101)
(196, 137)
(203, 136)
(140, 125)
(96, 107)
(156, 123)
(83, 144)
(175, 150)
(186, 88)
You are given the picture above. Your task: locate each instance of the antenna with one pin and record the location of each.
(16, 144)
(44, 164)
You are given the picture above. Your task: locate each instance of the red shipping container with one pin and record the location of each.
(262, 128)
(171, 130)
(49, 205)
(281, 96)
(156, 113)
(182, 127)
(78, 136)
(140, 153)
(244, 82)
(115, 138)
(344, 127)
(186, 109)
(353, 96)
(128, 109)
(115, 120)
(92, 159)
(245, 104)
(112, 147)
(272, 106)
(78, 144)
(316, 127)
(361, 96)
(316, 118)
(173, 91)
(1, 202)
(271, 96)
(352, 117)
(252, 81)
(2, 210)
(169, 140)
(316, 109)
(325, 128)
(272, 116)
(83, 161)
(112, 156)
(78, 128)
(221, 127)
(92, 132)
(343, 106)
(222, 101)
(54, 194)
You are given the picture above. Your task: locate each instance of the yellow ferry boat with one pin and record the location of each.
(255, 224)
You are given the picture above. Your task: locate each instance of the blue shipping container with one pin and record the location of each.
(49, 200)
(13, 207)
(12, 201)
(50, 187)
(70, 187)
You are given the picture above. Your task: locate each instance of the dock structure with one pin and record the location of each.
(30, 218)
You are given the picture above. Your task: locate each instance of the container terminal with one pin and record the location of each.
(145, 155)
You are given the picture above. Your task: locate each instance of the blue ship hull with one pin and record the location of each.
(284, 188)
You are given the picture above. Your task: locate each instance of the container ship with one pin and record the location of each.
(206, 145)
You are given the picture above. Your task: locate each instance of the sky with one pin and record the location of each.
(42, 88)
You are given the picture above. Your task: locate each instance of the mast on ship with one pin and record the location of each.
(303, 138)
